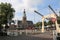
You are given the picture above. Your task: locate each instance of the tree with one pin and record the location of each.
(6, 12)
(58, 20)
(40, 24)
(45, 23)
(50, 22)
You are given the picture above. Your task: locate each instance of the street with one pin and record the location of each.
(41, 36)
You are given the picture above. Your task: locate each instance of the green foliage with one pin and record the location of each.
(6, 12)
(58, 20)
(49, 22)
(45, 23)
(40, 24)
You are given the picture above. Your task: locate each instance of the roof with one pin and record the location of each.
(27, 22)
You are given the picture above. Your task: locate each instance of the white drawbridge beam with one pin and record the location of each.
(49, 16)
(45, 17)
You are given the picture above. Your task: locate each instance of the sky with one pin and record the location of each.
(30, 5)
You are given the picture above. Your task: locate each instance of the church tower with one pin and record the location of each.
(24, 20)
(24, 17)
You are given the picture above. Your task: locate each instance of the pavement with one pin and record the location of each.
(23, 38)
(41, 36)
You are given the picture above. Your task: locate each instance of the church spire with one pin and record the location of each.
(24, 15)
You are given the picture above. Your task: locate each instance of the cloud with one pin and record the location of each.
(19, 5)
(34, 2)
